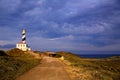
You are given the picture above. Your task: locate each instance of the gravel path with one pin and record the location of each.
(49, 69)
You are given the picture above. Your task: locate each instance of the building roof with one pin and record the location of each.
(21, 43)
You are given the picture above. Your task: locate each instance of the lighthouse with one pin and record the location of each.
(23, 45)
(24, 36)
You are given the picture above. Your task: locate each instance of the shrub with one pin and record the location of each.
(57, 55)
(2, 53)
(13, 67)
(15, 52)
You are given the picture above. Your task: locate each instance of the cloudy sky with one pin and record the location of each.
(55, 25)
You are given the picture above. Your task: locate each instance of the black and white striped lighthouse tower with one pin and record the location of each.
(24, 36)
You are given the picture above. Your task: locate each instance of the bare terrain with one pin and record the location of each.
(49, 69)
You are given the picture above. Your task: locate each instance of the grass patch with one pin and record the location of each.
(12, 67)
(93, 69)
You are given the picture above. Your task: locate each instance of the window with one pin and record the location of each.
(24, 45)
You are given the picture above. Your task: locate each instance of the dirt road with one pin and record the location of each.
(49, 69)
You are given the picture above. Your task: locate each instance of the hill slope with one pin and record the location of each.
(15, 63)
(91, 69)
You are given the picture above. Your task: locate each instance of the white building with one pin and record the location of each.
(22, 46)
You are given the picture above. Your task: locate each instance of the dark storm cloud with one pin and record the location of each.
(74, 23)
